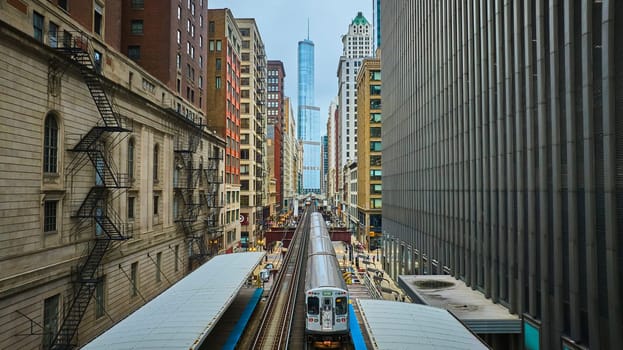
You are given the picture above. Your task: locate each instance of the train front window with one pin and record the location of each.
(313, 305)
(341, 306)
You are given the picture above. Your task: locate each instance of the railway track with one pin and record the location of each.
(277, 320)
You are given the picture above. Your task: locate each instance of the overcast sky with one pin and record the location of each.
(283, 23)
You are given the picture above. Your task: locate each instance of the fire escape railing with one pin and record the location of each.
(185, 180)
(77, 51)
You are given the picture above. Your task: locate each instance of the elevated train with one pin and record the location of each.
(326, 293)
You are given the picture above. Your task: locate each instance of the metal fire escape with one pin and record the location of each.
(211, 200)
(77, 50)
(185, 180)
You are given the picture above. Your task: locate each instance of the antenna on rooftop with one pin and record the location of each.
(307, 28)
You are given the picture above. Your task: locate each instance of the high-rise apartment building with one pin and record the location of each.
(254, 184)
(331, 180)
(356, 45)
(324, 164)
(177, 57)
(369, 182)
(290, 156)
(223, 93)
(275, 123)
(309, 131)
(91, 152)
(501, 158)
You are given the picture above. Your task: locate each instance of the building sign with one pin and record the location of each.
(244, 219)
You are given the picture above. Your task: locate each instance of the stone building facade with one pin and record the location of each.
(92, 154)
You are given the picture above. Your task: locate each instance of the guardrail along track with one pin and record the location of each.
(276, 322)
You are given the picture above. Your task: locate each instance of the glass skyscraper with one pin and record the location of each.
(309, 126)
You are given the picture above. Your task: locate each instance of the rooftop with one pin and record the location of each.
(360, 19)
(470, 306)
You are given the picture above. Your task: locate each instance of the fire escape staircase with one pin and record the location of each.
(185, 184)
(77, 50)
(210, 198)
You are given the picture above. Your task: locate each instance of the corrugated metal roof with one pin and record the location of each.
(183, 315)
(396, 325)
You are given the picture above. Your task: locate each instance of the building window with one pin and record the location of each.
(375, 75)
(98, 14)
(376, 174)
(375, 160)
(131, 202)
(134, 52)
(138, 4)
(375, 117)
(376, 189)
(375, 132)
(244, 185)
(376, 203)
(136, 26)
(156, 199)
(177, 258)
(179, 37)
(218, 64)
(50, 319)
(219, 45)
(218, 82)
(131, 159)
(100, 307)
(37, 26)
(53, 34)
(134, 279)
(156, 162)
(375, 146)
(50, 145)
(211, 27)
(50, 209)
(211, 45)
(159, 267)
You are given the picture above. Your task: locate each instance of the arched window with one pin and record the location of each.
(50, 145)
(131, 159)
(156, 162)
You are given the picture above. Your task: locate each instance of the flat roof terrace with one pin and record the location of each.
(477, 312)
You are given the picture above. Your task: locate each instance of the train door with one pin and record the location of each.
(326, 315)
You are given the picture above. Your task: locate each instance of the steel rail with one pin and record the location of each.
(276, 321)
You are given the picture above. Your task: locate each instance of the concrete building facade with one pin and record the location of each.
(90, 227)
(356, 45)
(500, 158)
(275, 125)
(290, 155)
(223, 93)
(331, 154)
(254, 183)
(369, 154)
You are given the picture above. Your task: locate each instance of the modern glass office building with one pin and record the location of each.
(503, 157)
(309, 124)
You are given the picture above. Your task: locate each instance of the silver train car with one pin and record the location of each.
(326, 293)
